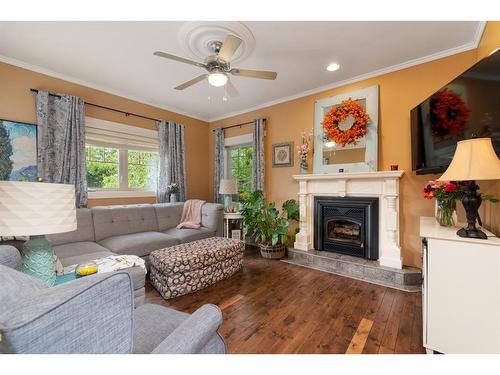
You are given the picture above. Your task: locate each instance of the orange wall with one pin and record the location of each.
(17, 103)
(400, 91)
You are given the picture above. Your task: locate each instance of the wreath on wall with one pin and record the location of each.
(341, 113)
(448, 113)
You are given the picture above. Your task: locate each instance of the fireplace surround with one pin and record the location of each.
(382, 185)
(346, 225)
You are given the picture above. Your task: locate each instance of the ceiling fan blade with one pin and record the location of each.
(191, 82)
(229, 47)
(231, 89)
(262, 74)
(177, 58)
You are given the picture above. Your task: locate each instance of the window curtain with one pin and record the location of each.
(61, 142)
(258, 154)
(172, 168)
(219, 163)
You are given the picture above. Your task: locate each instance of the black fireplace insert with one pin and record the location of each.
(346, 225)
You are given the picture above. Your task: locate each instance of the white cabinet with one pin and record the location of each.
(460, 291)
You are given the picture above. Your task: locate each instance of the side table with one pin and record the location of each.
(233, 225)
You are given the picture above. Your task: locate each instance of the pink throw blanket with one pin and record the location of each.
(191, 214)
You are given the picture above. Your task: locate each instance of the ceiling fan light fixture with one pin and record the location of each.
(333, 67)
(217, 79)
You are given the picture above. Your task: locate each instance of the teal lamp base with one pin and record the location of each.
(228, 200)
(38, 259)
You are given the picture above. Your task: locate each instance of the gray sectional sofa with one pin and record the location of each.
(93, 315)
(132, 229)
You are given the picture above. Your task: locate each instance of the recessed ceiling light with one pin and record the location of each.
(330, 144)
(332, 67)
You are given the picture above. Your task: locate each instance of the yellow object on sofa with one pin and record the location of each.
(86, 269)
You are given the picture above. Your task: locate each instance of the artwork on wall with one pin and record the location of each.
(283, 154)
(345, 132)
(18, 151)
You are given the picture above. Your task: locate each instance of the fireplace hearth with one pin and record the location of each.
(347, 225)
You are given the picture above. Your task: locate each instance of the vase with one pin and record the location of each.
(173, 198)
(446, 212)
(303, 167)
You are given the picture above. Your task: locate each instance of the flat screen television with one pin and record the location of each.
(467, 107)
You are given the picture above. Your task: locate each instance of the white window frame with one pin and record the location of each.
(127, 134)
(230, 143)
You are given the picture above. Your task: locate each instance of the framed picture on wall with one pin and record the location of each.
(18, 151)
(283, 154)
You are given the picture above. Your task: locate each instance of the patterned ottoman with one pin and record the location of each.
(192, 266)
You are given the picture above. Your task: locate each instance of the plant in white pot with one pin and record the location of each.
(267, 225)
(172, 191)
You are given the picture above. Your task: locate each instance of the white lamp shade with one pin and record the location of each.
(36, 208)
(227, 187)
(474, 159)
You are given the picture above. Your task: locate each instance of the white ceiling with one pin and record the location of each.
(117, 57)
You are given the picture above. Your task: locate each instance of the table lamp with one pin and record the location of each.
(35, 209)
(474, 159)
(227, 188)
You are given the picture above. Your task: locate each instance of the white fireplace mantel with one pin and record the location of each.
(384, 185)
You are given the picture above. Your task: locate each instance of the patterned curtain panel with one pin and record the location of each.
(219, 163)
(258, 154)
(61, 141)
(172, 167)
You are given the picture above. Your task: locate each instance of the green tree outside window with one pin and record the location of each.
(241, 168)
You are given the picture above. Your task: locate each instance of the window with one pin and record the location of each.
(122, 160)
(102, 167)
(238, 161)
(142, 169)
(110, 168)
(240, 167)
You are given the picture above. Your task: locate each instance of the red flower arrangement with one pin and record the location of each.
(340, 113)
(449, 113)
(443, 190)
(446, 194)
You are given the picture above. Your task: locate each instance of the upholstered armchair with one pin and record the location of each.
(95, 314)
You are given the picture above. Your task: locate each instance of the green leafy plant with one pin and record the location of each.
(264, 222)
(173, 188)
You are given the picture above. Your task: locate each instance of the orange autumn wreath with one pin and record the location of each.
(340, 113)
(449, 113)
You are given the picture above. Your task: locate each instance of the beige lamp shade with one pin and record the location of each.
(227, 187)
(474, 159)
(36, 208)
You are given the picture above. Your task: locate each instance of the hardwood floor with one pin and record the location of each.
(275, 307)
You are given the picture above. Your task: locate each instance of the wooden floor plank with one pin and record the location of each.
(275, 307)
(231, 301)
(379, 323)
(392, 328)
(359, 339)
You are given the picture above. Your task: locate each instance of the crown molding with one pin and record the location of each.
(479, 33)
(64, 77)
(421, 60)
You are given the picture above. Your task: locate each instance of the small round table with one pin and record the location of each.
(233, 225)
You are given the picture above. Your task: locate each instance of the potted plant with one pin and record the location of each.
(267, 225)
(172, 191)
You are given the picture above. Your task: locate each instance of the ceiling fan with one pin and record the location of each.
(218, 66)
